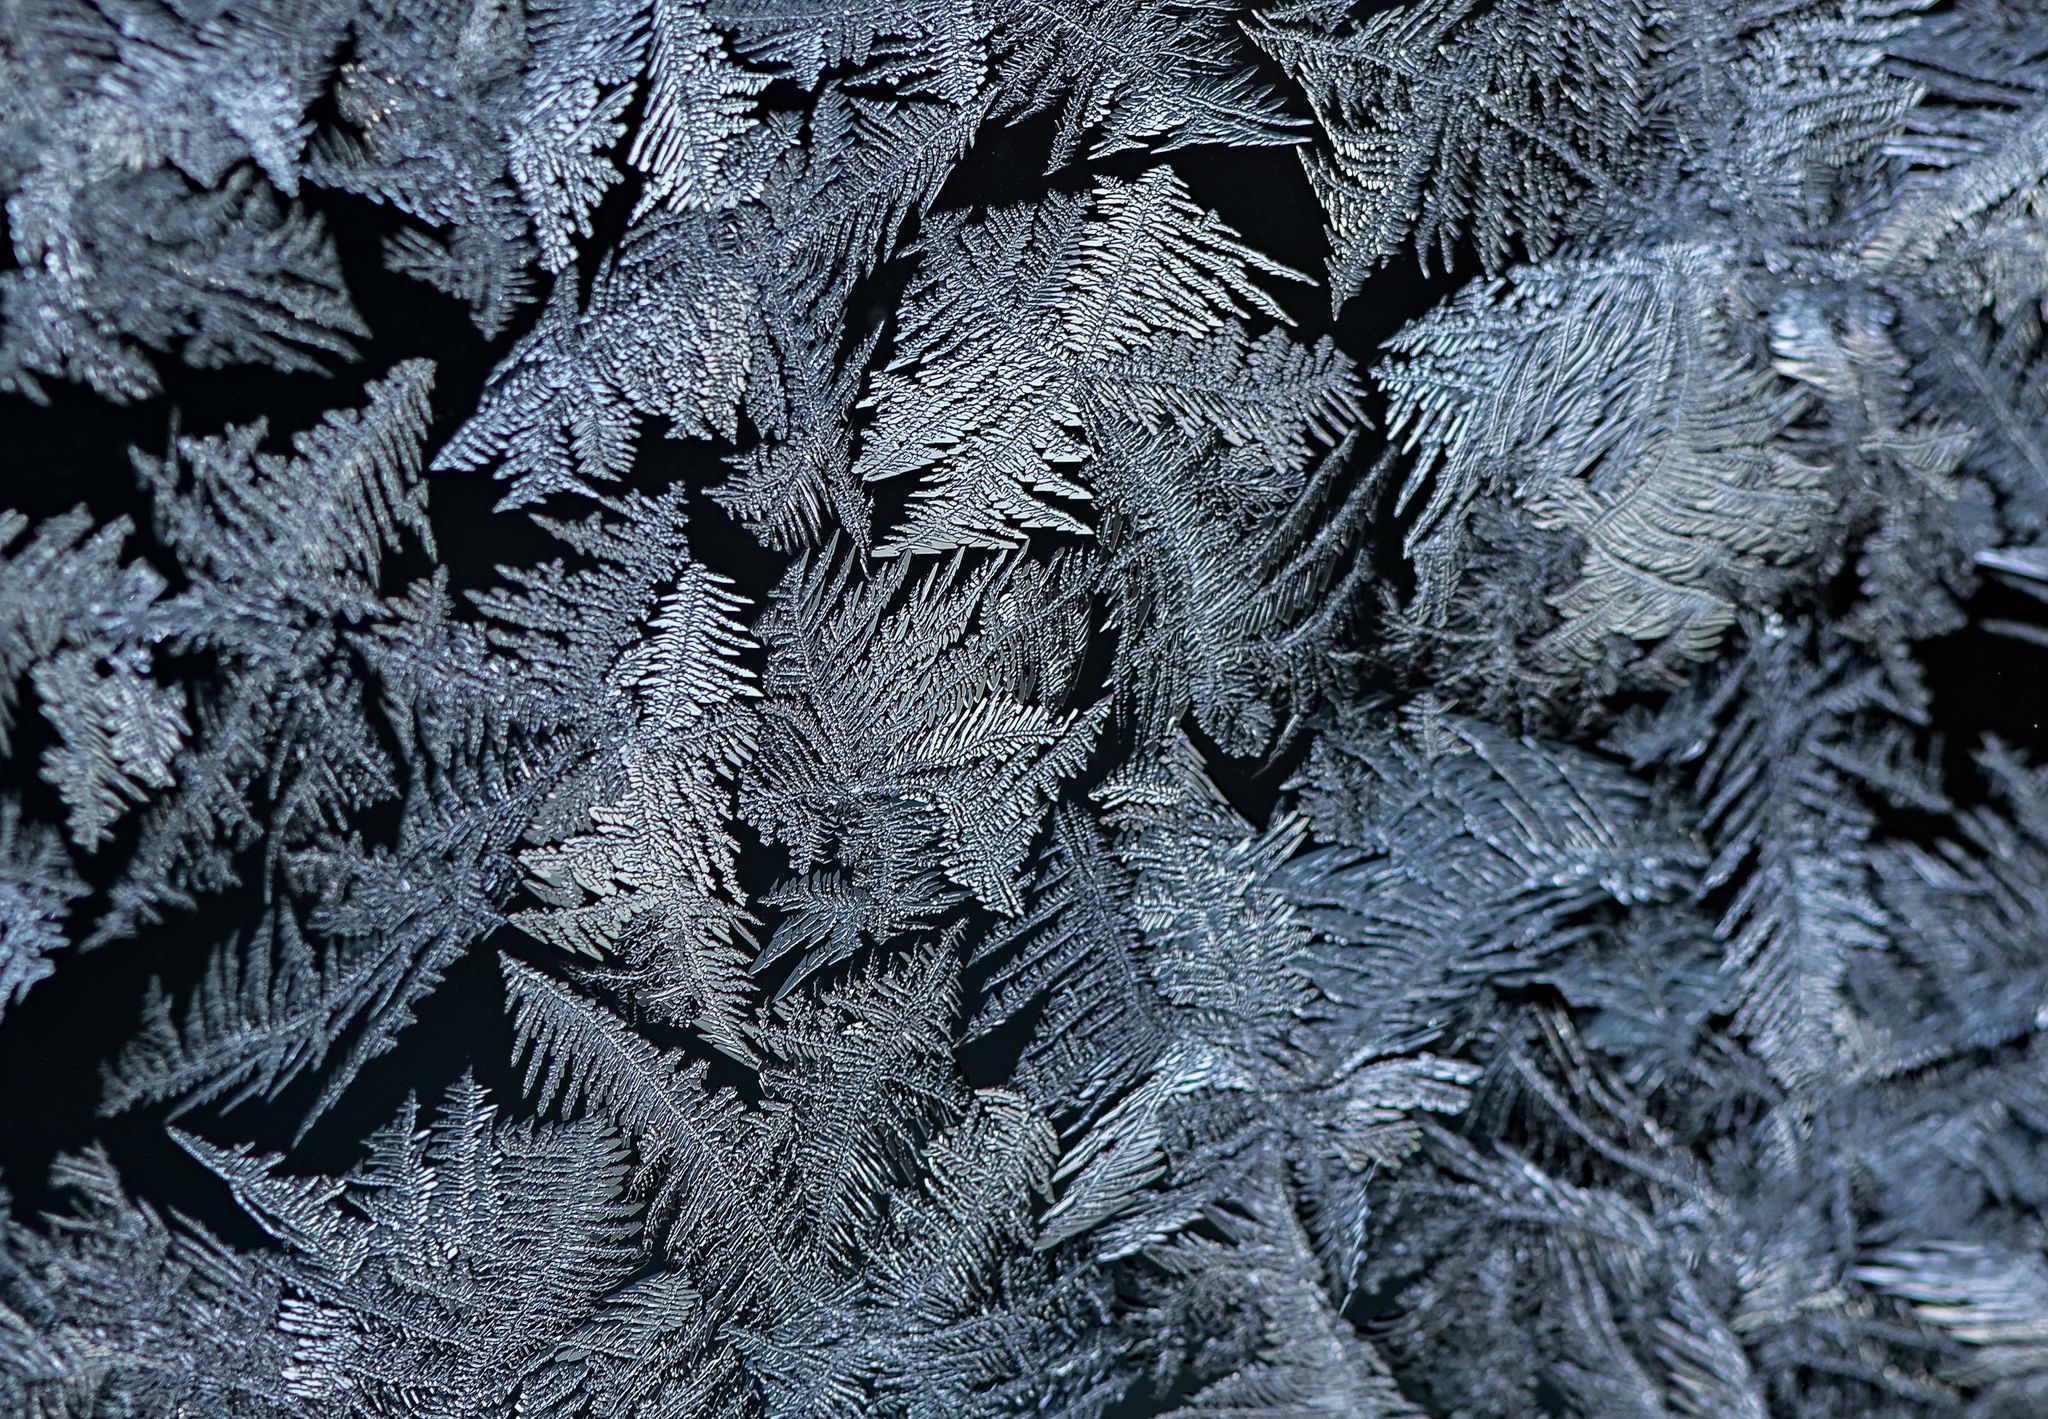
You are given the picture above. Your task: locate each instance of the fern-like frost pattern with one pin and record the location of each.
(1031, 809)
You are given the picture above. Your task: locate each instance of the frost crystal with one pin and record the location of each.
(1022, 808)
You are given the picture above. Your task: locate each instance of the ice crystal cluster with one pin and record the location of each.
(1116, 827)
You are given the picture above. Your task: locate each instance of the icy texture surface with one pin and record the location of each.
(1053, 831)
